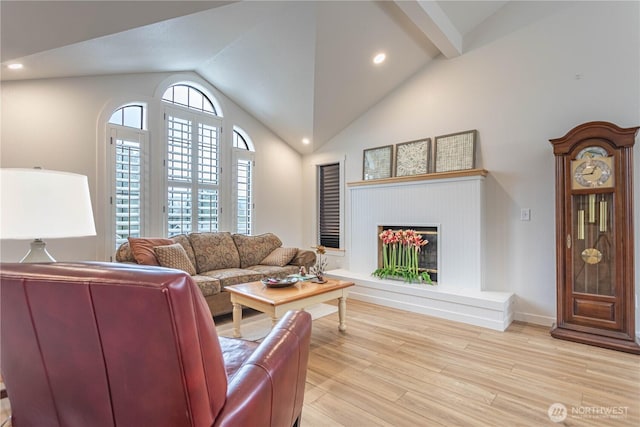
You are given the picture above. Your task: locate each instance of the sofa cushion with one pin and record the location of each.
(186, 244)
(233, 276)
(275, 271)
(253, 249)
(208, 285)
(214, 251)
(174, 256)
(280, 257)
(142, 249)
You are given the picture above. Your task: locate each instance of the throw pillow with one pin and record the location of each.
(186, 244)
(174, 256)
(280, 257)
(142, 249)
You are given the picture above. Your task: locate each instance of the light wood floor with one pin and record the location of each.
(394, 368)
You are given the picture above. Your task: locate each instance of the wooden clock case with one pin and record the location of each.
(594, 239)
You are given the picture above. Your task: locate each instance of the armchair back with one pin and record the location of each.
(97, 344)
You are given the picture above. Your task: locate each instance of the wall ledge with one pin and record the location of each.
(421, 177)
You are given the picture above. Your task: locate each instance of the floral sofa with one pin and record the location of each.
(217, 260)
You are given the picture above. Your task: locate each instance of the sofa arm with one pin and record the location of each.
(268, 389)
(304, 257)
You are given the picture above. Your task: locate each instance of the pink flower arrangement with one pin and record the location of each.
(400, 250)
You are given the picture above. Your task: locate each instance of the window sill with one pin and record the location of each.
(334, 252)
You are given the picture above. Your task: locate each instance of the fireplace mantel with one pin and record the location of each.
(452, 201)
(421, 177)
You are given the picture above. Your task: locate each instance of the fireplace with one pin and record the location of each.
(428, 255)
(454, 205)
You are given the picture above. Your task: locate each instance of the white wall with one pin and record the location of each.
(517, 85)
(55, 124)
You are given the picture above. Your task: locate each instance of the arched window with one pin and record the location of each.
(163, 184)
(132, 116)
(190, 97)
(127, 141)
(243, 161)
(192, 162)
(239, 141)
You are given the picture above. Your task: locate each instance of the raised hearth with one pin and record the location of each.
(493, 310)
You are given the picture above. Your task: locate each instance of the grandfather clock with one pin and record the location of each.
(594, 236)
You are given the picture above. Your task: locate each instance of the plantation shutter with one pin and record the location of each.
(329, 203)
(243, 196)
(128, 186)
(207, 169)
(179, 175)
(192, 175)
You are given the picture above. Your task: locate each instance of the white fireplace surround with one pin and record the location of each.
(454, 204)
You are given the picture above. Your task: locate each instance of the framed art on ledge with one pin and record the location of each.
(377, 162)
(455, 151)
(413, 157)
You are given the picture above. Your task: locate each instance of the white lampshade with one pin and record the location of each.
(39, 204)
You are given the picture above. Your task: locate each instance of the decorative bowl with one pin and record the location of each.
(271, 282)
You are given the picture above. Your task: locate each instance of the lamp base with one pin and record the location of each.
(38, 253)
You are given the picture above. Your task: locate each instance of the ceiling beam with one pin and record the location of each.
(435, 24)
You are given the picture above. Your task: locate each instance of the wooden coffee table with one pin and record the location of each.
(275, 302)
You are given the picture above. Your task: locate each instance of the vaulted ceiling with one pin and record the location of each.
(304, 69)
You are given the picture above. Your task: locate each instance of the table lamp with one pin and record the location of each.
(38, 204)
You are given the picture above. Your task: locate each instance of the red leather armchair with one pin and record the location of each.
(103, 344)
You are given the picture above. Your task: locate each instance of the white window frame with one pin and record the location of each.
(237, 155)
(154, 149)
(196, 118)
(113, 133)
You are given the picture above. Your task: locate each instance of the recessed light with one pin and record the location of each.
(14, 66)
(305, 141)
(379, 58)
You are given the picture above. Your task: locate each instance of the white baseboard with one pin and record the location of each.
(535, 319)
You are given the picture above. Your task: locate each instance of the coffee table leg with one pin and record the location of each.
(237, 319)
(342, 310)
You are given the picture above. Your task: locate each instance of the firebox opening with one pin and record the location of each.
(428, 258)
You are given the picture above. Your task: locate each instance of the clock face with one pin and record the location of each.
(592, 172)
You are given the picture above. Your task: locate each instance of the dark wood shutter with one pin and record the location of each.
(329, 215)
